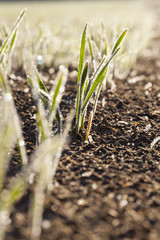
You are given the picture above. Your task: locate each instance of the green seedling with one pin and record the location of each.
(10, 134)
(50, 99)
(9, 103)
(93, 84)
(45, 162)
(9, 42)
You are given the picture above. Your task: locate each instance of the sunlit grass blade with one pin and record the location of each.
(37, 211)
(57, 90)
(89, 82)
(82, 52)
(93, 87)
(12, 42)
(42, 123)
(44, 95)
(91, 54)
(7, 139)
(45, 162)
(16, 190)
(20, 140)
(40, 82)
(98, 91)
(42, 166)
(97, 80)
(63, 138)
(90, 49)
(81, 90)
(84, 77)
(105, 48)
(31, 82)
(99, 67)
(56, 96)
(59, 120)
(3, 83)
(95, 104)
(81, 62)
(16, 122)
(119, 40)
(12, 31)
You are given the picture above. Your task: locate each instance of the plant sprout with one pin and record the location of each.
(87, 86)
(50, 99)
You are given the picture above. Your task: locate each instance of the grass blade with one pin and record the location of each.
(40, 82)
(119, 40)
(56, 92)
(81, 61)
(31, 82)
(42, 123)
(56, 95)
(12, 31)
(13, 41)
(93, 87)
(82, 52)
(97, 80)
(59, 120)
(81, 90)
(44, 95)
(84, 77)
(90, 49)
(3, 82)
(82, 84)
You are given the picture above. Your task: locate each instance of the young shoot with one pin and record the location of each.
(50, 100)
(87, 86)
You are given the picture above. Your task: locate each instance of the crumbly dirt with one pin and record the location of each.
(110, 188)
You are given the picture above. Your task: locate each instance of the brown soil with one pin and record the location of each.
(108, 189)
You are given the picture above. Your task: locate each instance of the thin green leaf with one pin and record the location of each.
(55, 102)
(13, 41)
(7, 139)
(42, 122)
(97, 80)
(87, 87)
(45, 97)
(106, 48)
(16, 190)
(83, 78)
(56, 92)
(41, 93)
(56, 95)
(12, 31)
(30, 80)
(40, 82)
(82, 52)
(90, 49)
(93, 87)
(81, 90)
(59, 120)
(81, 61)
(119, 40)
(3, 83)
